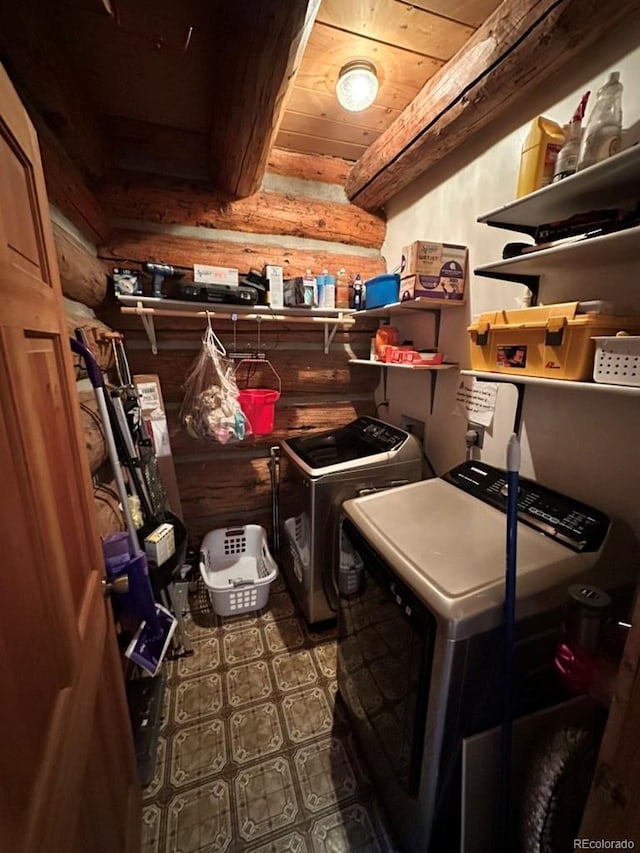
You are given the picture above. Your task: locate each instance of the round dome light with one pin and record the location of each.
(357, 85)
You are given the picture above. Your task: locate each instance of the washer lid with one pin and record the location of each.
(365, 441)
(449, 547)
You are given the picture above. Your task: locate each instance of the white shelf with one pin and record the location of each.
(617, 248)
(371, 363)
(559, 384)
(148, 307)
(606, 184)
(422, 303)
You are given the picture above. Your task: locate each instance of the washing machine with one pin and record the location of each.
(420, 635)
(317, 473)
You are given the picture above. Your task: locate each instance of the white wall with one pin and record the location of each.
(585, 444)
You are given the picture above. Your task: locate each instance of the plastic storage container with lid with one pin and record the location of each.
(548, 341)
(382, 290)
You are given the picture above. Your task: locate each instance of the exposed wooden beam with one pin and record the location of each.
(309, 167)
(258, 49)
(185, 203)
(521, 44)
(39, 70)
(83, 277)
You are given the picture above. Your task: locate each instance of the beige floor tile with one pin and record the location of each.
(292, 842)
(198, 752)
(249, 682)
(326, 656)
(255, 732)
(151, 816)
(242, 645)
(294, 670)
(198, 697)
(199, 821)
(307, 714)
(265, 798)
(284, 634)
(325, 774)
(205, 657)
(279, 607)
(349, 830)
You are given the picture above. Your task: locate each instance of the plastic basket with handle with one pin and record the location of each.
(258, 404)
(237, 569)
(617, 360)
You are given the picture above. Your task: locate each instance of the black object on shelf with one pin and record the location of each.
(145, 698)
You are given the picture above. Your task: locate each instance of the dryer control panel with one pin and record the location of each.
(574, 524)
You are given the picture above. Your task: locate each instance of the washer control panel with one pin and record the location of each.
(574, 524)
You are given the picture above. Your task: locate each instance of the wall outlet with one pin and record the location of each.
(413, 425)
(476, 440)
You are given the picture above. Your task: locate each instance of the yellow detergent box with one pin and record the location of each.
(548, 341)
(433, 270)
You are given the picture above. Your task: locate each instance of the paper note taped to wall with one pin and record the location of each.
(476, 400)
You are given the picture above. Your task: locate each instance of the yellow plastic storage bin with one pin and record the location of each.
(549, 341)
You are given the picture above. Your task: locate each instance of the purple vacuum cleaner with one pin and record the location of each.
(152, 638)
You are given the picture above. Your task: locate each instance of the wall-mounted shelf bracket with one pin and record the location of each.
(148, 307)
(149, 327)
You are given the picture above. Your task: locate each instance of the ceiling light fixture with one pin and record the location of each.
(357, 85)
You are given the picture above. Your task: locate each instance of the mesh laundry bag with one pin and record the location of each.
(210, 408)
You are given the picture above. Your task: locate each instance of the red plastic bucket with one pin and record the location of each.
(259, 405)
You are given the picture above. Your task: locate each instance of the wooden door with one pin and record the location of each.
(67, 769)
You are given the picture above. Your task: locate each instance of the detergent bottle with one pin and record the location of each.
(539, 154)
(604, 128)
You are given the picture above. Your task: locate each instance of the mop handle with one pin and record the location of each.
(513, 468)
(97, 380)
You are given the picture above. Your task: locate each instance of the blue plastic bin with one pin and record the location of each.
(382, 290)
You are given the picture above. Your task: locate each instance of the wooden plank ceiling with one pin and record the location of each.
(158, 79)
(406, 40)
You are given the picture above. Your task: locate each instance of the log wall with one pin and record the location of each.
(297, 223)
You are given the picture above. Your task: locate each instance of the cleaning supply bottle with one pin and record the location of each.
(329, 301)
(357, 293)
(342, 289)
(539, 154)
(604, 129)
(310, 289)
(567, 162)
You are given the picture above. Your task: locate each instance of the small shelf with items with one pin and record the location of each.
(148, 307)
(384, 364)
(394, 309)
(611, 182)
(618, 247)
(559, 384)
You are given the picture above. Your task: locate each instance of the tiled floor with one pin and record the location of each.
(254, 754)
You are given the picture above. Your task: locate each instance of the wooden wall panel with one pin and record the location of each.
(182, 203)
(126, 246)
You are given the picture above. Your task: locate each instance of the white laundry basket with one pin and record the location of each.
(237, 568)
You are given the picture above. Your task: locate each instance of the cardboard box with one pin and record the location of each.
(274, 275)
(160, 544)
(436, 271)
(214, 275)
(155, 422)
